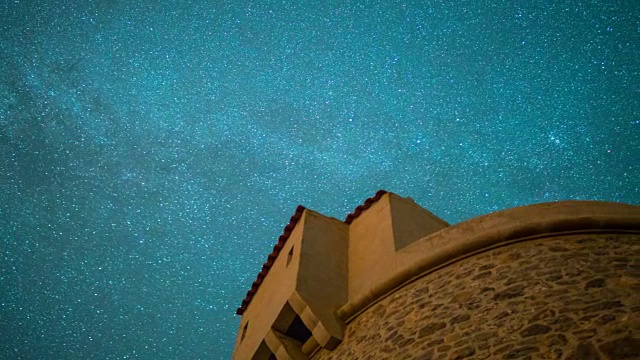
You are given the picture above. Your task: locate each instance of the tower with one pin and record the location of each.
(394, 281)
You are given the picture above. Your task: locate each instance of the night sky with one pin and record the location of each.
(151, 152)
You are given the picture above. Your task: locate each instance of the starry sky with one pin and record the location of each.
(151, 152)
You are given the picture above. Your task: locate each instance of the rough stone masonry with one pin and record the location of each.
(567, 297)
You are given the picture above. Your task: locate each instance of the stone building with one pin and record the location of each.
(548, 281)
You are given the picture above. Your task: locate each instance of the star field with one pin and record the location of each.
(151, 152)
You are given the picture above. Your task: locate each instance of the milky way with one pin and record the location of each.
(150, 154)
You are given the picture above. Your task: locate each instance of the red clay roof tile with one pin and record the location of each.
(367, 204)
(271, 259)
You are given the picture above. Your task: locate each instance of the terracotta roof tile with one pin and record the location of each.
(367, 204)
(271, 259)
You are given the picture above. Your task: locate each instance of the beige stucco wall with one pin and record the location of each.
(564, 297)
(393, 222)
(322, 281)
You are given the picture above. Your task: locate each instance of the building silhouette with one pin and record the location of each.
(393, 281)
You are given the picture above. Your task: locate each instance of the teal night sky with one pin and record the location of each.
(152, 151)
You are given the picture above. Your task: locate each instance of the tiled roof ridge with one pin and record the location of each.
(271, 258)
(285, 236)
(367, 204)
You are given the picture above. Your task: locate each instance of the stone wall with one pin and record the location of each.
(574, 297)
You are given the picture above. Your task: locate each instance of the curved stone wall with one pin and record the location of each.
(566, 297)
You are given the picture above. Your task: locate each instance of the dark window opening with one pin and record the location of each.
(298, 330)
(244, 331)
(290, 256)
